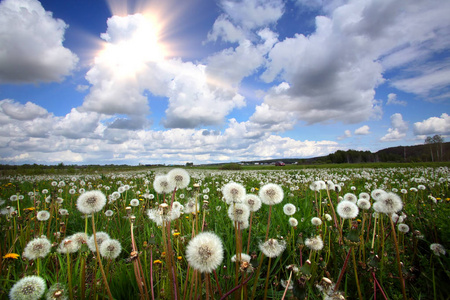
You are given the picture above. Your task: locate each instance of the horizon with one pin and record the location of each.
(143, 82)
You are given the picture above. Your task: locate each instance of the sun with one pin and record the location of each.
(130, 43)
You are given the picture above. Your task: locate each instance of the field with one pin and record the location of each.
(153, 236)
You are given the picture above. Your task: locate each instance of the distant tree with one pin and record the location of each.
(435, 142)
(429, 141)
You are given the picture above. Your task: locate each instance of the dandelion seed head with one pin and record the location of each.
(289, 209)
(403, 228)
(37, 248)
(91, 202)
(314, 243)
(316, 221)
(43, 215)
(110, 249)
(350, 197)
(205, 252)
(389, 203)
(162, 185)
(101, 237)
(437, 249)
(238, 212)
(29, 288)
(293, 222)
(233, 192)
(243, 257)
(68, 245)
(56, 292)
(347, 210)
(253, 202)
(134, 202)
(178, 178)
(271, 194)
(377, 193)
(272, 247)
(363, 203)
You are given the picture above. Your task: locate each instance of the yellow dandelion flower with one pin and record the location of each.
(11, 255)
(176, 234)
(157, 262)
(29, 208)
(179, 257)
(358, 220)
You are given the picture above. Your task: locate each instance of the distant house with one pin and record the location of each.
(280, 164)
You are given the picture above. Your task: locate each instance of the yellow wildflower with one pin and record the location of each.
(176, 234)
(157, 262)
(179, 257)
(11, 255)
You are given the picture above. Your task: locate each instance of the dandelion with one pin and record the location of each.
(56, 292)
(350, 197)
(388, 203)
(421, 187)
(316, 221)
(109, 213)
(376, 194)
(100, 237)
(271, 194)
(63, 212)
(233, 192)
(253, 202)
(328, 217)
(178, 178)
(162, 185)
(43, 215)
(314, 243)
(364, 195)
(330, 185)
(11, 255)
(91, 202)
(403, 228)
(238, 212)
(69, 245)
(13, 198)
(80, 238)
(289, 209)
(293, 222)
(110, 249)
(363, 203)
(37, 248)
(272, 247)
(437, 249)
(347, 210)
(134, 202)
(191, 208)
(243, 257)
(205, 252)
(29, 288)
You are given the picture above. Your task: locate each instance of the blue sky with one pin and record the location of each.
(129, 82)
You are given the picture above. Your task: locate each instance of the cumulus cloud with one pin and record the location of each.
(363, 130)
(31, 44)
(392, 100)
(398, 129)
(433, 125)
(346, 134)
(336, 69)
(18, 111)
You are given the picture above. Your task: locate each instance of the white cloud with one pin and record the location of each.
(433, 125)
(17, 111)
(253, 14)
(392, 100)
(31, 47)
(346, 134)
(398, 129)
(363, 130)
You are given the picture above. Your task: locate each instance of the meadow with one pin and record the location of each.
(166, 233)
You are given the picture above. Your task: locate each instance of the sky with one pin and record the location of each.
(212, 81)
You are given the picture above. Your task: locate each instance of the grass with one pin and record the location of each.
(425, 274)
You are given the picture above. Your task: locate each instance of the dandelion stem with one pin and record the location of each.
(356, 274)
(235, 288)
(341, 275)
(105, 280)
(69, 276)
(267, 279)
(255, 284)
(394, 235)
(287, 286)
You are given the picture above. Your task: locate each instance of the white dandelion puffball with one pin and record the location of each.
(363, 203)
(238, 212)
(91, 202)
(37, 248)
(179, 178)
(389, 203)
(162, 185)
(347, 210)
(205, 252)
(110, 249)
(314, 243)
(43, 215)
(253, 202)
(437, 249)
(293, 222)
(289, 209)
(29, 287)
(271, 194)
(243, 258)
(350, 197)
(272, 247)
(403, 228)
(69, 245)
(316, 221)
(233, 192)
(101, 237)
